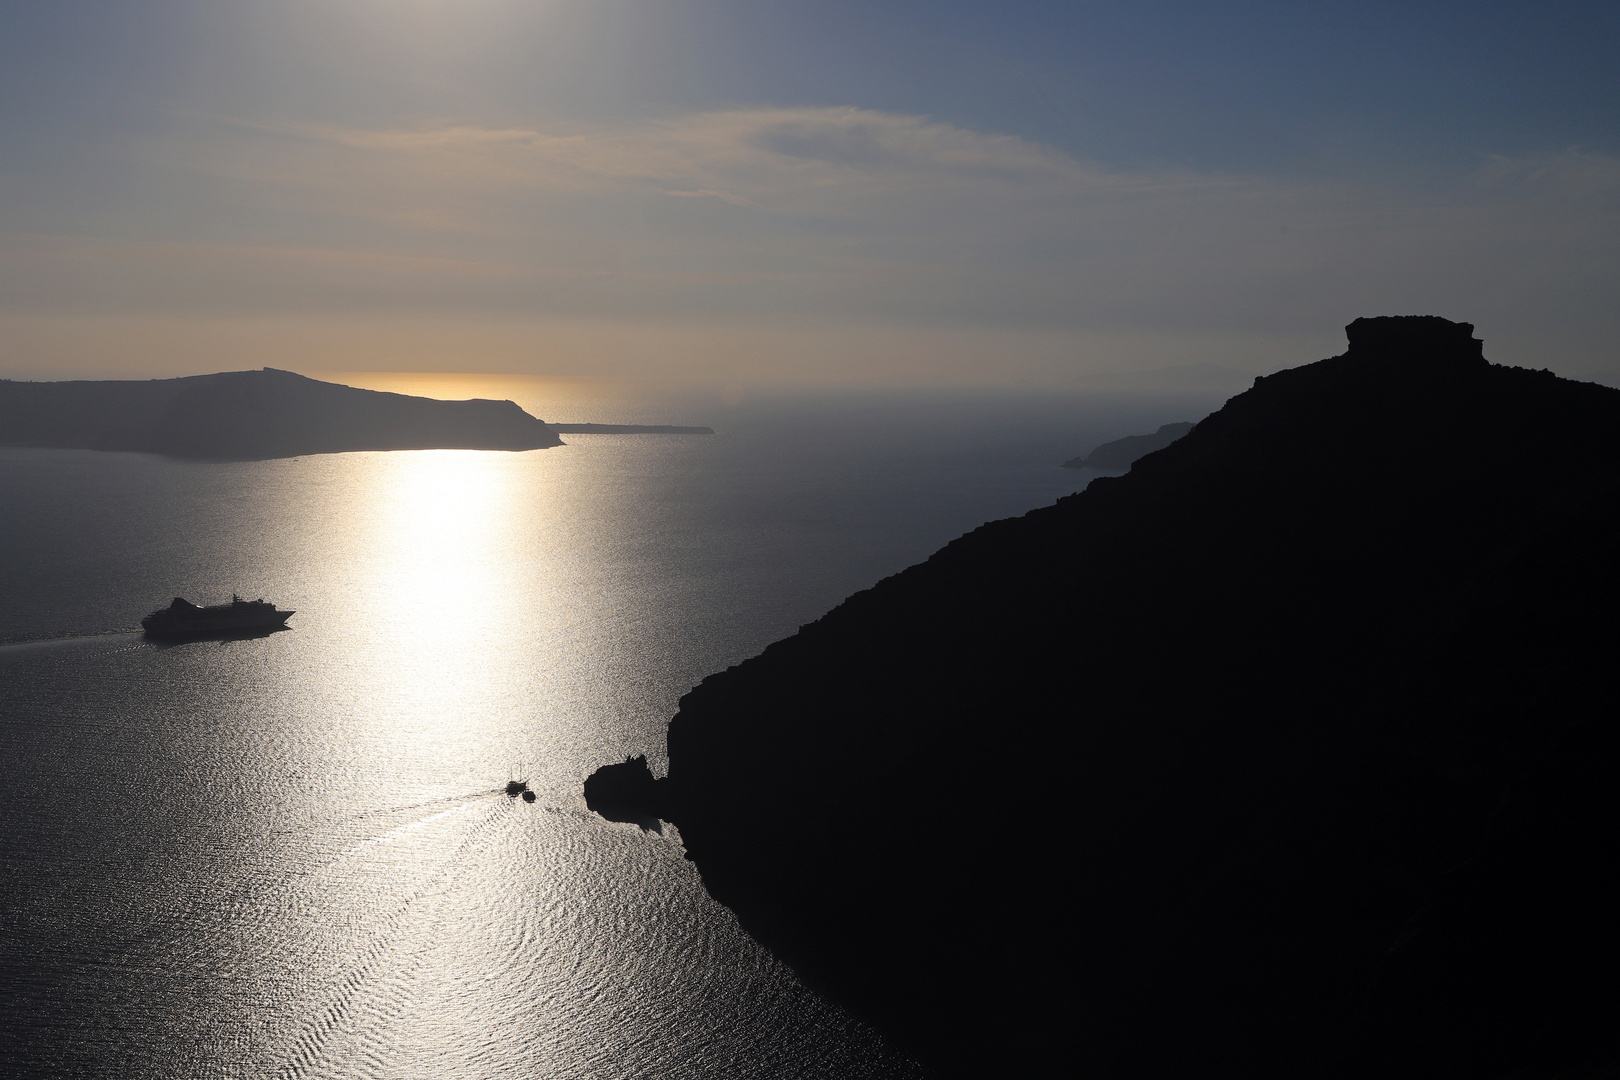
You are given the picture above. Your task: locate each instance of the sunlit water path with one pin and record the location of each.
(291, 856)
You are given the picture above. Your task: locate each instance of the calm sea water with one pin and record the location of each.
(291, 856)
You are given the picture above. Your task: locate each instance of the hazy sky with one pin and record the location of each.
(981, 192)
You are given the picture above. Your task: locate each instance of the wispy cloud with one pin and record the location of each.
(825, 217)
(787, 160)
(1573, 172)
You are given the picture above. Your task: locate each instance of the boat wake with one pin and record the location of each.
(26, 641)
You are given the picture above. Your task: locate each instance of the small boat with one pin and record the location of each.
(514, 788)
(182, 618)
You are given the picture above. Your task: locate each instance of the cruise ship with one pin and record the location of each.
(182, 618)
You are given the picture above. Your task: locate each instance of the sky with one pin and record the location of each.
(972, 193)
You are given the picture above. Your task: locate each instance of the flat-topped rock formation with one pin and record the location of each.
(1291, 753)
(247, 415)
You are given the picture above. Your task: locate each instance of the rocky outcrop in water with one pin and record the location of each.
(1291, 753)
(251, 415)
(628, 791)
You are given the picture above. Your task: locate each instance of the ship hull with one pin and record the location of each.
(203, 626)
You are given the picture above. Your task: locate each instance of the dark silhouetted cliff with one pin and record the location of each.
(1120, 453)
(245, 415)
(1291, 753)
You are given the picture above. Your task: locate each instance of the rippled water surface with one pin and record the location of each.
(291, 856)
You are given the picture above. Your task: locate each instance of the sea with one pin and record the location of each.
(293, 856)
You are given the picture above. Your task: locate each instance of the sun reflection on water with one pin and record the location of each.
(428, 630)
(438, 519)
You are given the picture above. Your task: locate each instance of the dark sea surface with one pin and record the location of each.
(291, 855)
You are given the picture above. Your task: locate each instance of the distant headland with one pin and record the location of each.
(1293, 752)
(1120, 453)
(254, 415)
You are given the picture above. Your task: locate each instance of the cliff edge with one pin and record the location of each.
(1292, 752)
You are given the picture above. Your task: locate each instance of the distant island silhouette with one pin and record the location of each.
(1291, 753)
(1120, 453)
(252, 415)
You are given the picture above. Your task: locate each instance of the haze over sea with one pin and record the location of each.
(291, 856)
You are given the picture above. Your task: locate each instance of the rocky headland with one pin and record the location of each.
(1291, 753)
(252, 415)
